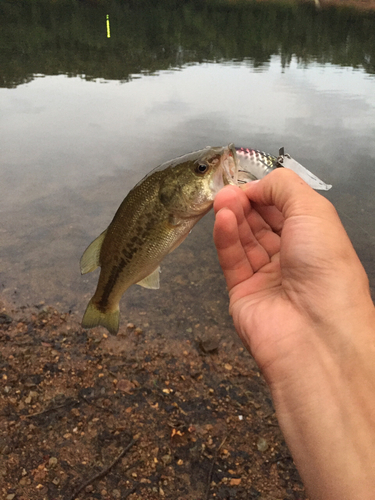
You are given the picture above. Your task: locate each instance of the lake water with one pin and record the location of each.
(84, 117)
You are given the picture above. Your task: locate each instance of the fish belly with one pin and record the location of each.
(132, 262)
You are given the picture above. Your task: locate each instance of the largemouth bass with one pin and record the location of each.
(153, 220)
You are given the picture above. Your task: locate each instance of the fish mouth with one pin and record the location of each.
(230, 166)
(227, 174)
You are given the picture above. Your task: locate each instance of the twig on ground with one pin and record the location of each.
(279, 459)
(212, 467)
(53, 408)
(87, 401)
(104, 472)
(128, 493)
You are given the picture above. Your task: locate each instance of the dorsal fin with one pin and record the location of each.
(90, 258)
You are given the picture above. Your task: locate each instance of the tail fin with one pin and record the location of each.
(94, 317)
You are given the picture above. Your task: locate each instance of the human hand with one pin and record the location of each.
(300, 301)
(289, 265)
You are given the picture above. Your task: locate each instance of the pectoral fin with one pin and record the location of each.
(174, 220)
(152, 280)
(90, 258)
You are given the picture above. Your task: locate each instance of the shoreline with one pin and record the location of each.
(362, 5)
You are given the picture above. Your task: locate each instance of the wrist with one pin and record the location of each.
(328, 419)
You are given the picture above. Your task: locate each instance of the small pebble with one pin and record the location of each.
(4, 318)
(52, 462)
(125, 385)
(209, 345)
(166, 459)
(262, 444)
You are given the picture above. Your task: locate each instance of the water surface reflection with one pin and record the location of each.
(73, 147)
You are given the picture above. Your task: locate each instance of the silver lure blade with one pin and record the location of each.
(286, 161)
(254, 164)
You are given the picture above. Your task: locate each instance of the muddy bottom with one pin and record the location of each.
(142, 415)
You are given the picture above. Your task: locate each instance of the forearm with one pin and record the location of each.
(300, 302)
(327, 416)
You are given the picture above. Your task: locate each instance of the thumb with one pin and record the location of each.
(290, 194)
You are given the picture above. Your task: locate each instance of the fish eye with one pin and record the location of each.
(201, 168)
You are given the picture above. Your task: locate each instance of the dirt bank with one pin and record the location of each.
(197, 415)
